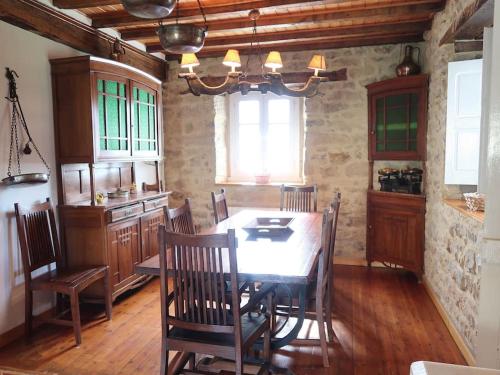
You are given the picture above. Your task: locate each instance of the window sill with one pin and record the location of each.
(460, 206)
(235, 183)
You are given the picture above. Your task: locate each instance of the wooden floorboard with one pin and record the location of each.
(383, 320)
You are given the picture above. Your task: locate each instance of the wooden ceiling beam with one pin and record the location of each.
(462, 46)
(397, 26)
(43, 20)
(471, 23)
(79, 4)
(122, 18)
(397, 9)
(322, 44)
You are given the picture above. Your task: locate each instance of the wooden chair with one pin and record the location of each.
(152, 187)
(180, 219)
(299, 198)
(219, 204)
(319, 293)
(39, 248)
(204, 319)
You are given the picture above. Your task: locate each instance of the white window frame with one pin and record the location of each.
(296, 139)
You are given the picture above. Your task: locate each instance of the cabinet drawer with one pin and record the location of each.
(155, 203)
(124, 212)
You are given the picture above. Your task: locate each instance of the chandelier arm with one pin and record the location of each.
(277, 87)
(198, 87)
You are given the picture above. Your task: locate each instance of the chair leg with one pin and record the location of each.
(328, 313)
(28, 309)
(164, 357)
(267, 345)
(322, 333)
(192, 361)
(108, 298)
(75, 315)
(238, 368)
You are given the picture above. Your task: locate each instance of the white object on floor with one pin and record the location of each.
(435, 368)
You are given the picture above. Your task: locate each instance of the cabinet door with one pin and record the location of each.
(149, 233)
(123, 251)
(145, 131)
(396, 237)
(112, 130)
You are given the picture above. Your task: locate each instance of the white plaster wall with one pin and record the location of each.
(29, 55)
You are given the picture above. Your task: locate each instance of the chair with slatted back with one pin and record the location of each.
(219, 204)
(203, 318)
(299, 198)
(152, 187)
(319, 292)
(40, 248)
(180, 219)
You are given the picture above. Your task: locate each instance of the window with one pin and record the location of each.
(265, 137)
(463, 122)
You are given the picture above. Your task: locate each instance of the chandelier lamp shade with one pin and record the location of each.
(317, 64)
(189, 60)
(232, 59)
(149, 9)
(273, 61)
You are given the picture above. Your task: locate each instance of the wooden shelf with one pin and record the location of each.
(459, 205)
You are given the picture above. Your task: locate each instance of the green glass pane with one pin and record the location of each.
(151, 98)
(396, 124)
(143, 96)
(397, 100)
(397, 146)
(100, 85)
(152, 122)
(123, 117)
(136, 145)
(143, 121)
(135, 93)
(413, 146)
(100, 107)
(102, 144)
(112, 116)
(380, 147)
(111, 87)
(113, 144)
(123, 145)
(121, 87)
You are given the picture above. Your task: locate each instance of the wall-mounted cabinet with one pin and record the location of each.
(111, 111)
(397, 118)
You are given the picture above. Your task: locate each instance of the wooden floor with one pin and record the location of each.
(383, 320)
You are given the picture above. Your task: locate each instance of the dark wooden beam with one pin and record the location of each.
(307, 45)
(399, 8)
(471, 22)
(462, 46)
(43, 20)
(78, 4)
(122, 18)
(396, 26)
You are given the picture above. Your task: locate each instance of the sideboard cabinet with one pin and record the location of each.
(108, 131)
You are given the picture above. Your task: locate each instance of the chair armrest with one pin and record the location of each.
(257, 297)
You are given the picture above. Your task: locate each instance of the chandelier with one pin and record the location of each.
(238, 81)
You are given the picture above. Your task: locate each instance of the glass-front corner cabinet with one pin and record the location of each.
(397, 118)
(106, 111)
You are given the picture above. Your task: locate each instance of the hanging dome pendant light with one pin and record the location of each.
(150, 9)
(180, 38)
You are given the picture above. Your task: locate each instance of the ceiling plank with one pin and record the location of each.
(41, 19)
(122, 18)
(397, 26)
(471, 22)
(78, 4)
(322, 44)
(462, 46)
(398, 8)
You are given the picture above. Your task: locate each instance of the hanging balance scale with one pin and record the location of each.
(17, 124)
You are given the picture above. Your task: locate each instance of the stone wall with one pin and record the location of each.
(452, 246)
(335, 140)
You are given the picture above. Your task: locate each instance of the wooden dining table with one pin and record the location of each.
(287, 259)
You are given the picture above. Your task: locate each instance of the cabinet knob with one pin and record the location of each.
(370, 227)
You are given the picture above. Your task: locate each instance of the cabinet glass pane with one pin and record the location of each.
(144, 120)
(112, 109)
(396, 123)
